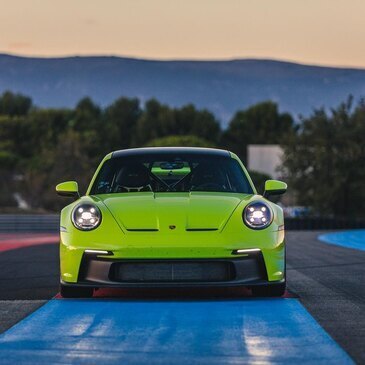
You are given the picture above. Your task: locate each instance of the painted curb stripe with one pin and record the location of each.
(100, 331)
(350, 239)
(14, 241)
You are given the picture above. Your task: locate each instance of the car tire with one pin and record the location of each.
(76, 291)
(273, 290)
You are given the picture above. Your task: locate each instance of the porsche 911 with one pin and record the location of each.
(172, 217)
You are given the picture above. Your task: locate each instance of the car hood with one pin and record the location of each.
(195, 211)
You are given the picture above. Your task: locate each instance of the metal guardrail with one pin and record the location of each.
(319, 223)
(29, 223)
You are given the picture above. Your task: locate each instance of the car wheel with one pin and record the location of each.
(273, 290)
(76, 291)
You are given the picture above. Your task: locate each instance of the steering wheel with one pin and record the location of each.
(134, 188)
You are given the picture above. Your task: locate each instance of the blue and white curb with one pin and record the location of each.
(354, 239)
(114, 331)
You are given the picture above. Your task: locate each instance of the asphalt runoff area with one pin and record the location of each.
(328, 280)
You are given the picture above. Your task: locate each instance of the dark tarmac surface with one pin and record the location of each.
(329, 281)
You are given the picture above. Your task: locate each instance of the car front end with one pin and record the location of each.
(173, 239)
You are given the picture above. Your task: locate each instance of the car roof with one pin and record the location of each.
(170, 150)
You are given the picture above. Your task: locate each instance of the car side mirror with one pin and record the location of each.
(274, 187)
(68, 188)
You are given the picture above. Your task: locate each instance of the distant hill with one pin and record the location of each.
(220, 86)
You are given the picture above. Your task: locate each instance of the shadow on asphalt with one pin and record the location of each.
(180, 294)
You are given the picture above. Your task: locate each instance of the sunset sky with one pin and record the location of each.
(327, 32)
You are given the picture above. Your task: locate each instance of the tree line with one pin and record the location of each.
(39, 147)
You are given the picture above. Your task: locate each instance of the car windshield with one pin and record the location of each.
(171, 173)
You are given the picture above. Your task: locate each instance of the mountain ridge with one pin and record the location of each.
(182, 60)
(221, 86)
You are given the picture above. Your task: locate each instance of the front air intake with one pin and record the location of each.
(172, 271)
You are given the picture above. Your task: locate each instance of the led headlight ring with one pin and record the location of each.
(257, 215)
(86, 217)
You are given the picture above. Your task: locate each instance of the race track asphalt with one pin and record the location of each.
(329, 281)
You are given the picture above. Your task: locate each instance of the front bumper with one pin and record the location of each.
(101, 271)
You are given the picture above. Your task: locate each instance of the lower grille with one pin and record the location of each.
(172, 271)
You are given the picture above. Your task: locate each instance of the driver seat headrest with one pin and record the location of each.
(206, 174)
(133, 176)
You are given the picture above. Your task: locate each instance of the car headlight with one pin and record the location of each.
(257, 215)
(86, 217)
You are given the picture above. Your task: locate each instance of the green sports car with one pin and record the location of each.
(172, 217)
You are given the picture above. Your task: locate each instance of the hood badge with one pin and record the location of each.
(172, 226)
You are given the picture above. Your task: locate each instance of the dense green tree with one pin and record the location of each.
(28, 142)
(87, 116)
(7, 164)
(66, 161)
(44, 127)
(14, 104)
(27, 136)
(87, 121)
(156, 121)
(10, 150)
(15, 136)
(259, 124)
(324, 161)
(159, 120)
(180, 141)
(200, 123)
(119, 128)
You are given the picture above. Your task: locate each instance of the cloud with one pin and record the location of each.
(19, 45)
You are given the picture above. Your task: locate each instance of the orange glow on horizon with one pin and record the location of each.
(313, 31)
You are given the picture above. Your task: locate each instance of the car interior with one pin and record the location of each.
(171, 176)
